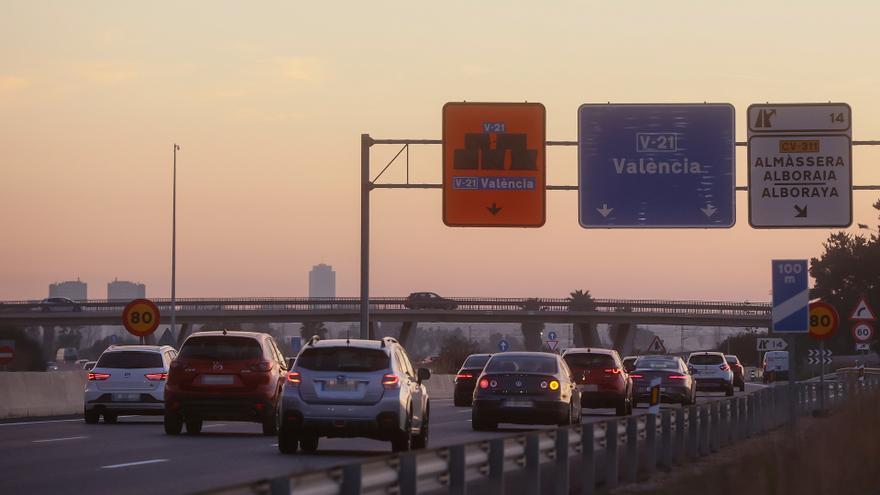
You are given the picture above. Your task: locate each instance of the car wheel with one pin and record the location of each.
(91, 417)
(420, 441)
(110, 418)
(173, 424)
(288, 443)
(309, 443)
(402, 441)
(194, 426)
(270, 425)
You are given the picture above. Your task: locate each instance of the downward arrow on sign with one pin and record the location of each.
(604, 210)
(494, 209)
(709, 211)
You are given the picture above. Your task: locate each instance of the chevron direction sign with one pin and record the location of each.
(791, 296)
(819, 356)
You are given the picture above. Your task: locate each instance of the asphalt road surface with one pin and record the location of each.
(135, 456)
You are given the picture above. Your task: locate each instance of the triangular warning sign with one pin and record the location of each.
(657, 346)
(862, 312)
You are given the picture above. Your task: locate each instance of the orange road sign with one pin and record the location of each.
(140, 317)
(494, 164)
(823, 320)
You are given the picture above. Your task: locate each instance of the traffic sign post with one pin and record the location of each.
(494, 164)
(823, 324)
(800, 165)
(141, 317)
(656, 166)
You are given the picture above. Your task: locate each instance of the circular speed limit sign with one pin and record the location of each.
(823, 320)
(863, 332)
(141, 317)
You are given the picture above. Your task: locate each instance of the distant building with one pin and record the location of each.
(122, 290)
(322, 281)
(71, 289)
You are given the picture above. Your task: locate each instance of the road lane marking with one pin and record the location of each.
(214, 426)
(60, 439)
(137, 463)
(41, 422)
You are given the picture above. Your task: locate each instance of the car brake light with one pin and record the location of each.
(464, 375)
(294, 377)
(554, 385)
(98, 376)
(613, 371)
(677, 377)
(390, 381)
(154, 377)
(263, 366)
(484, 383)
(724, 367)
(635, 375)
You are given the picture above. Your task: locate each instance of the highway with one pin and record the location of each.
(136, 457)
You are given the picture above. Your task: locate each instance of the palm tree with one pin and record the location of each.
(585, 334)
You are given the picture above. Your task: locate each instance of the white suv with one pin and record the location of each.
(711, 372)
(354, 388)
(128, 379)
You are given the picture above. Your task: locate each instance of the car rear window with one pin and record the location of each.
(343, 359)
(221, 348)
(521, 364)
(589, 361)
(657, 364)
(704, 359)
(130, 360)
(476, 362)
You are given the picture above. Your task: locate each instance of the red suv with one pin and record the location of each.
(601, 378)
(230, 376)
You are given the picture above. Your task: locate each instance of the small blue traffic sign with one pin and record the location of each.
(296, 344)
(654, 166)
(551, 335)
(113, 339)
(503, 345)
(791, 296)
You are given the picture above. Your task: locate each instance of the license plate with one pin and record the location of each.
(591, 388)
(340, 386)
(126, 397)
(518, 403)
(218, 379)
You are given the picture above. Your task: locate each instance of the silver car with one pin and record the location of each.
(711, 372)
(354, 388)
(127, 379)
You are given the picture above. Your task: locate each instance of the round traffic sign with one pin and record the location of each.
(7, 352)
(503, 345)
(863, 332)
(551, 335)
(823, 320)
(141, 317)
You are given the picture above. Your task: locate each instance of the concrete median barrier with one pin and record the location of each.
(441, 386)
(32, 394)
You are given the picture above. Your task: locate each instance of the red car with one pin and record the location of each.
(230, 376)
(601, 378)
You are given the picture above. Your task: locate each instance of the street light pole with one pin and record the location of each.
(174, 243)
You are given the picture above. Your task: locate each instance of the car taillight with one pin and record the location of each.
(677, 377)
(613, 371)
(484, 383)
(635, 375)
(263, 366)
(390, 381)
(464, 375)
(724, 367)
(155, 377)
(294, 377)
(98, 376)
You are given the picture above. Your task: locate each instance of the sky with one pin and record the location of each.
(268, 102)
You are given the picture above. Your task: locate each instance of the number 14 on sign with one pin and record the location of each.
(772, 344)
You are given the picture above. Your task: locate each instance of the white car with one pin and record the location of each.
(711, 372)
(775, 366)
(127, 379)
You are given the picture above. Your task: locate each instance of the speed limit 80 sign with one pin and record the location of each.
(823, 320)
(141, 317)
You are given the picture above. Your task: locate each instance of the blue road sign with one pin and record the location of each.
(551, 335)
(791, 296)
(655, 166)
(503, 345)
(296, 344)
(113, 339)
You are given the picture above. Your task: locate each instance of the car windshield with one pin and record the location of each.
(589, 361)
(657, 364)
(476, 362)
(221, 348)
(343, 359)
(706, 359)
(130, 360)
(521, 364)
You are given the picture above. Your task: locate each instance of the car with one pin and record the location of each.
(525, 388)
(127, 379)
(57, 304)
(711, 372)
(52, 366)
(601, 378)
(354, 388)
(466, 379)
(224, 375)
(428, 300)
(89, 365)
(67, 355)
(676, 382)
(775, 366)
(629, 363)
(739, 375)
(82, 363)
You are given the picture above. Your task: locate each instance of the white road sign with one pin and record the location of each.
(863, 332)
(862, 346)
(800, 165)
(772, 344)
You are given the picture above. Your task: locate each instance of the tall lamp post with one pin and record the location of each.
(174, 242)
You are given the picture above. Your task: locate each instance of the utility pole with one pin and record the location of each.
(174, 243)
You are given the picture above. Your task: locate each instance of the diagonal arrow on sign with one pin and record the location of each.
(790, 306)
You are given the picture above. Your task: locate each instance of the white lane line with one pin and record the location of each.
(48, 421)
(138, 463)
(59, 439)
(214, 426)
(440, 400)
(274, 445)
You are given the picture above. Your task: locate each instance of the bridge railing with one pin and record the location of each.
(581, 458)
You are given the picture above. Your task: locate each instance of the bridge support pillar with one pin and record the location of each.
(406, 332)
(185, 330)
(48, 343)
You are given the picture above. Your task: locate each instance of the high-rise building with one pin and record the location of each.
(122, 290)
(322, 281)
(71, 289)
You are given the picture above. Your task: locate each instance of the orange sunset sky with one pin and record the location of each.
(268, 101)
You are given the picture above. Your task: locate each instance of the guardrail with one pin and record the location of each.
(576, 459)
